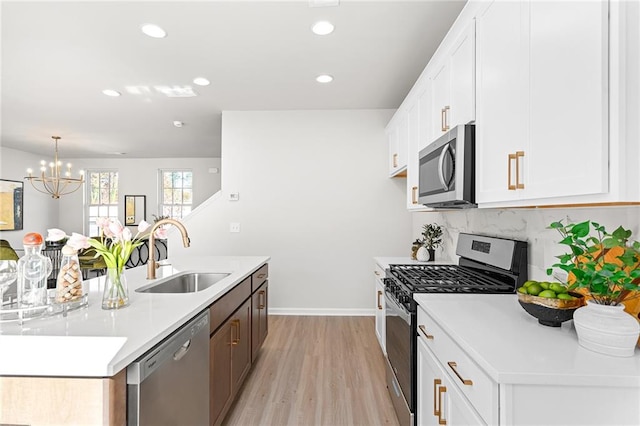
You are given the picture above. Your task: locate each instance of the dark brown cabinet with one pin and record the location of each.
(238, 329)
(259, 318)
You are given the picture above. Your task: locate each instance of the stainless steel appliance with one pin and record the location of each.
(446, 171)
(487, 265)
(169, 385)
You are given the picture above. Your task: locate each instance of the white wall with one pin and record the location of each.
(40, 211)
(527, 225)
(138, 176)
(315, 197)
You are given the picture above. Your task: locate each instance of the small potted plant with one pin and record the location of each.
(431, 239)
(606, 267)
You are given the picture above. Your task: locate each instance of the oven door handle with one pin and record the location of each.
(402, 311)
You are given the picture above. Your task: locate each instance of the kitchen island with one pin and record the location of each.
(496, 365)
(84, 355)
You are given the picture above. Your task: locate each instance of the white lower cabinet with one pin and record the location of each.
(380, 305)
(439, 401)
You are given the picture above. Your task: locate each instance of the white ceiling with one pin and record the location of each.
(57, 57)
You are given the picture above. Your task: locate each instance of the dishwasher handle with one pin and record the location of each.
(177, 356)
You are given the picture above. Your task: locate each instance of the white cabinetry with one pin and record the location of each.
(453, 85)
(439, 400)
(542, 100)
(380, 306)
(398, 135)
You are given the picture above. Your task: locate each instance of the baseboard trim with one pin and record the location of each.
(323, 312)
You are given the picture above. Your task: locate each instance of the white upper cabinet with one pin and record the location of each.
(398, 135)
(453, 85)
(542, 101)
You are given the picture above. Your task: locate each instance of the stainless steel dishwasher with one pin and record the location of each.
(169, 385)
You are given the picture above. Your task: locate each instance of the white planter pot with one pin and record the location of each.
(423, 255)
(606, 329)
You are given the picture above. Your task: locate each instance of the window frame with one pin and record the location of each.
(87, 200)
(161, 189)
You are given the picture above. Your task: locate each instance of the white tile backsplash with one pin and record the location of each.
(523, 224)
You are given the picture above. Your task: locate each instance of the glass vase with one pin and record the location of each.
(116, 292)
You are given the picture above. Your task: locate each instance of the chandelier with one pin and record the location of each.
(58, 182)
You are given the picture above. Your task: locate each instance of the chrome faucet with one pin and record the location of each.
(152, 265)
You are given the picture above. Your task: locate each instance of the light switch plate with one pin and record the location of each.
(234, 227)
(234, 196)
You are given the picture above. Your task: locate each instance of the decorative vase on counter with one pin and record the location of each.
(116, 292)
(423, 255)
(432, 254)
(606, 329)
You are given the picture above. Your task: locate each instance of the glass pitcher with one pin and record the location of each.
(33, 270)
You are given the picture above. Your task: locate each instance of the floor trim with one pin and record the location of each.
(323, 312)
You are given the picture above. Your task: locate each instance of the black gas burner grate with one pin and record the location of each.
(447, 279)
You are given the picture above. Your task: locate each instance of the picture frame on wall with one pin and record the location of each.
(11, 205)
(135, 209)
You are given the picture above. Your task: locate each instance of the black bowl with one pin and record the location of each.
(552, 316)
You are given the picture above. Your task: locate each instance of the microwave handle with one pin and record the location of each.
(444, 152)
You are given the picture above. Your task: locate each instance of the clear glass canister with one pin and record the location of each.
(70, 288)
(33, 270)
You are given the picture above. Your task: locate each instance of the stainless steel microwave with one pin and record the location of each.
(447, 170)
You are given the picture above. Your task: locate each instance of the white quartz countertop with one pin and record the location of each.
(92, 342)
(512, 348)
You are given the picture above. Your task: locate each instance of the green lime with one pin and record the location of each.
(558, 288)
(522, 290)
(528, 283)
(549, 294)
(544, 285)
(534, 289)
(565, 296)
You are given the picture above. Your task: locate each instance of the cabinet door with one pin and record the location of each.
(412, 160)
(501, 98)
(463, 75)
(441, 104)
(241, 344)
(259, 319)
(220, 373)
(380, 306)
(568, 152)
(439, 400)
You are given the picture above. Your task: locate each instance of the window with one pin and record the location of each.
(176, 193)
(102, 197)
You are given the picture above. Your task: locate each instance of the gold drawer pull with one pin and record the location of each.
(424, 331)
(414, 193)
(395, 160)
(436, 409)
(519, 154)
(379, 303)
(441, 390)
(377, 273)
(452, 365)
(261, 298)
(261, 275)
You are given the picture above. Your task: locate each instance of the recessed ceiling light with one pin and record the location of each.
(178, 123)
(111, 92)
(322, 28)
(154, 31)
(324, 78)
(201, 81)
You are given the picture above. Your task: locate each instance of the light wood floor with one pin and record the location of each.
(316, 371)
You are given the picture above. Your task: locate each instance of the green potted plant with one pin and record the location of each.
(431, 239)
(606, 267)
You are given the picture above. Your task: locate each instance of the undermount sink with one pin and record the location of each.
(186, 282)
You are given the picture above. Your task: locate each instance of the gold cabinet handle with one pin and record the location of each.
(379, 303)
(261, 297)
(442, 113)
(424, 331)
(446, 118)
(414, 195)
(452, 365)
(395, 160)
(236, 325)
(519, 154)
(512, 157)
(441, 390)
(261, 276)
(436, 408)
(377, 273)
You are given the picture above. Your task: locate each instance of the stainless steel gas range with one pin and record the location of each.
(487, 265)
